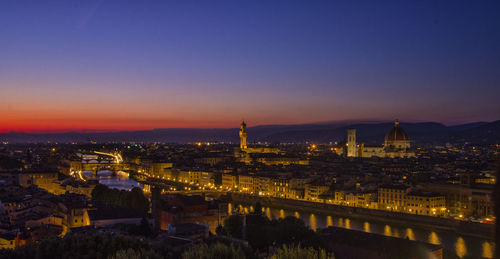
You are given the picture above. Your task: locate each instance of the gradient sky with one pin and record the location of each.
(125, 65)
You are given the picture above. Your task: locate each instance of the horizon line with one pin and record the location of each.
(346, 122)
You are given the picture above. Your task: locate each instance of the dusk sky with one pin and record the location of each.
(127, 65)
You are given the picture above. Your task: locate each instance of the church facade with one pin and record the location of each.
(396, 144)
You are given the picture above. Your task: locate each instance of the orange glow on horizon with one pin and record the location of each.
(37, 123)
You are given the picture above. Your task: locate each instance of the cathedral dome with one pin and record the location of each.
(396, 134)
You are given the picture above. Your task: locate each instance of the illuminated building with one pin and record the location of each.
(397, 138)
(156, 169)
(281, 188)
(262, 154)
(392, 197)
(361, 199)
(180, 209)
(396, 144)
(8, 240)
(261, 185)
(245, 183)
(26, 179)
(229, 181)
(243, 135)
(314, 190)
(467, 198)
(271, 159)
(425, 203)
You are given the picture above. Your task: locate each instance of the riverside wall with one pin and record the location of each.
(461, 227)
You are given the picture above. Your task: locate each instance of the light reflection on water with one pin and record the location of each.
(268, 213)
(460, 247)
(366, 227)
(409, 234)
(348, 223)
(433, 238)
(487, 250)
(387, 230)
(282, 214)
(395, 233)
(329, 221)
(120, 183)
(312, 222)
(452, 242)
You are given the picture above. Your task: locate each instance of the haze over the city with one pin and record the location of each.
(115, 65)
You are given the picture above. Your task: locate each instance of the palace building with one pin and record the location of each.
(262, 153)
(250, 150)
(396, 144)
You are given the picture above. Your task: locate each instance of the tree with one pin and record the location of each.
(138, 200)
(297, 252)
(213, 251)
(145, 227)
(134, 198)
(99, 191)
(80, 245)
(292, 230)
(233, 226)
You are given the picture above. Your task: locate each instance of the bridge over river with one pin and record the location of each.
(100, 161)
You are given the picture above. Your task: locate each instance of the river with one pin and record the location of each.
(452, 242)
(121, 181)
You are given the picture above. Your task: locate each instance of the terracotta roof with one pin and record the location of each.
(397, 133)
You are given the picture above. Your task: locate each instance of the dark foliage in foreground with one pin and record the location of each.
(289, 230)
(84, 245)
(133, 199)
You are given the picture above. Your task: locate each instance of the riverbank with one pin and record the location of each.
(472, 229)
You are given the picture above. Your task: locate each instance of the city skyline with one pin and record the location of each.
(243, 129)
(108, 65)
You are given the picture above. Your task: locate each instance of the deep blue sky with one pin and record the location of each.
(147, 64)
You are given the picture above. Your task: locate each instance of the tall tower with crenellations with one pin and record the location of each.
(243, 135)
(351, 143)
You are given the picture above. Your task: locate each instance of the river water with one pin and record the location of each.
(121, 181)
(452, 242)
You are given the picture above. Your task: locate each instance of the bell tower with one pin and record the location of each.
(351, 143)
(243, 135)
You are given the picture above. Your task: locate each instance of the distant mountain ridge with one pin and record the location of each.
(370, 133)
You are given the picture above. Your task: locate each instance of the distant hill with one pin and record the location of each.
(370, 133)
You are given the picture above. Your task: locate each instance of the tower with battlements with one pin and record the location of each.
(243, 135)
